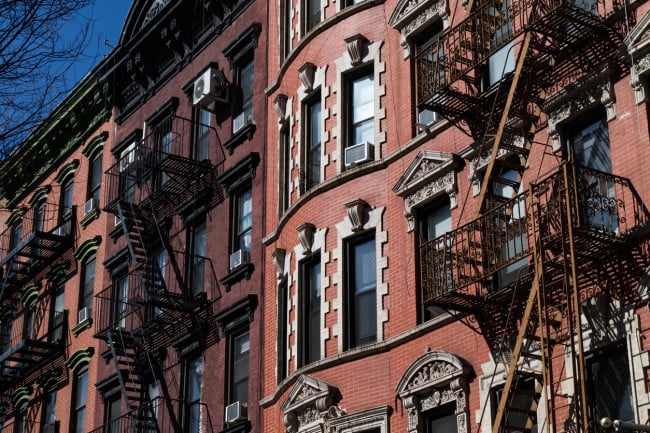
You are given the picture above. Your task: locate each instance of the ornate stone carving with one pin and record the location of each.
(309, 401)
(434, 379)
(154, 10)
(354, 45)
(356, 211)
(278, 262)
(306, 237)
(428, 176)
(641, 68)
(280, 106)
(410, 16)
(307, 73)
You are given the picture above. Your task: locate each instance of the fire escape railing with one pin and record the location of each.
(29, 338)
(152, 303)
(606, 208)
(170, 415)
(158, 173)
(488, 29)
(29, 245)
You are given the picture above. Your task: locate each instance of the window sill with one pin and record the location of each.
(79, 327)
(243, 426)
(240, 136)
(88, 218)
(237, 274)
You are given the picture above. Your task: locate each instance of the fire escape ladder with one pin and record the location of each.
(129, 365)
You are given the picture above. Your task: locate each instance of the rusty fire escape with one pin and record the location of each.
(166, 293)
(524, 266)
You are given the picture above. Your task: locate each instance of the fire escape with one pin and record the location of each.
(165, 293)
(523, 268)
(32, 331)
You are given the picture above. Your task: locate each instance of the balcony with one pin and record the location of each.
(28, 340)
(162, 415)
(151, 300)
(28, 246)
(158, 175)
(570, 37)
(573, 216)
(30, 426)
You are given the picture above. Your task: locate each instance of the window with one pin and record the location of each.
(522, 402)
(361, 282)
(427, 45)
(312, 170)
(283, 331)
(361, 117)
(39, 217)
(88, 286)
(192, 376)
(312, 14)
(20, 422)
(245, 77)
(511, 224)
(242, 220)
(201, 149)
(66, 201)
(285, 26)
(198, 244)
(441, 419)
(120, 299)
(285, 170)
(609, 387)
(16, 233)
(238, 373)
(310, 291)
(434, 221)
(163, 137)
(58, 315)
(95, 178)
(502, 61)
(79, 399)
(588, 146)
(112, 413)
(29, 324)
(49, 413)
(128, 173)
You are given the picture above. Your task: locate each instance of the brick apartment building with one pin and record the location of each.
(441, 228)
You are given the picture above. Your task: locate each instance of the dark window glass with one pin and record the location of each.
(16, 234)
(521, 399)
(88, 288)
(199, 242)
(79, 408)
(243, 220)
(49, 413)
(66, 201)
(285, 168)
(311, 299)
(442, 419)
(95, 178)
(313, 143)
(283, 328)
(362, 110)
(313, 14)
(239, 345)
(429, 44)
(113, 408)
(246, 85)
(120, 300)
(202, 134)
(56, 323)
(361, 308)
(39, 217)
(610, 388)
(192, 377)
(285, 24)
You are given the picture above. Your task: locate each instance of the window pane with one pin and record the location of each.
(89, 284)
(441, 420)
(591, 146)
(609, 377)
(241, 346)
(202, 137)
(313, 137)
(244, 219)
(96, 177)
(361, 296)
(363, 110)
(365, 266)
(311, 293)
(246, 83)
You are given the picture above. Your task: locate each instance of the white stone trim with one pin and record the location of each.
(369, 419)
(284, 279)
(319, 84)
(344, 65)
(410, 17)
(345, 230)
(318, 246)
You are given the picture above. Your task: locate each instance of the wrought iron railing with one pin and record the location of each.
(162, 415)
(492, 27)
(604, 208)
(153, 290)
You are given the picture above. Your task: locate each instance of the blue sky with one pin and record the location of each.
(107, 17)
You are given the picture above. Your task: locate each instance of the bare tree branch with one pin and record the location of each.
(40, 40)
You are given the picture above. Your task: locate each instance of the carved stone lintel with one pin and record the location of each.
(278, 262)
(354, 45)
(356, 210)
(307, 73)
(306, 236)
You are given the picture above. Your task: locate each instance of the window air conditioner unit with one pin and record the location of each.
(239, 122)
(84, 314)
(209, 87)
(358, 154)
(90, 205)
(235, 412)
(239, 258)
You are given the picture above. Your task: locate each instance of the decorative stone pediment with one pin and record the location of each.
(411, 16)
(584, 94)
(434, 379)
(429, 175)
(636, 46)
(309, 404)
